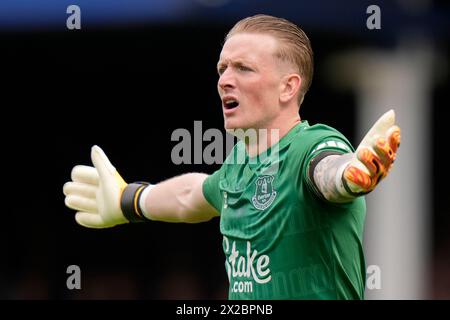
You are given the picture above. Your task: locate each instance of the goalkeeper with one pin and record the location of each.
(292, 220)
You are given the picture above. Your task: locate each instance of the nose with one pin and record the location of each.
(226, 80)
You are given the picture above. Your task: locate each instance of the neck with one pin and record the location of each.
(268, 136)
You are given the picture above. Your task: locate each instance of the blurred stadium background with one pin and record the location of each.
(137, 70)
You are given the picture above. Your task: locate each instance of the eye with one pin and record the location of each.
(221, 70)
(244, 68)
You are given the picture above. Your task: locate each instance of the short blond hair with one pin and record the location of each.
(295, 46)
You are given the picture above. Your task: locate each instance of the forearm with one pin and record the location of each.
(341, 178)
(179, 199)
(328, 178)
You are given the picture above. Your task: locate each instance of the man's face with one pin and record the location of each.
(249, 83)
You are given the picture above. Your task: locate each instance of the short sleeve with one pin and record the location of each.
(211, 190)
(329, 142)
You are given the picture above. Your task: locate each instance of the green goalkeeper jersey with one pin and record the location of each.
(281, 239)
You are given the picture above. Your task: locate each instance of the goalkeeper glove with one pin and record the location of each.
(373, 158)
(101, 196)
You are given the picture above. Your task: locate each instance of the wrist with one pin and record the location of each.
(132, 201)
(143, 199)
(340, 183)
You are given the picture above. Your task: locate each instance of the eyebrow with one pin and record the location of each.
(238, 63)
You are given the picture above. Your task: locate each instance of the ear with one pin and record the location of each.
(290, 86)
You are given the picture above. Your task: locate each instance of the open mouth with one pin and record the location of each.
(231, 104)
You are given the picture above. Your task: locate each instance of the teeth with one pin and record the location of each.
(231, 101)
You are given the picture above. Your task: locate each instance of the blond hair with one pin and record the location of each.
(295, 46)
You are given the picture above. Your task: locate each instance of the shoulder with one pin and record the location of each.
(321, 136)
(322, 130)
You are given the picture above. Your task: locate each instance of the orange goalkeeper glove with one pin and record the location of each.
(373, 158)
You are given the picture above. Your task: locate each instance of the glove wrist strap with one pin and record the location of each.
(129, 202)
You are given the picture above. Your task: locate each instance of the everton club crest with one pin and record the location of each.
(265, 193)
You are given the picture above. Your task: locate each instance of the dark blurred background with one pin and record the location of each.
(138, 70)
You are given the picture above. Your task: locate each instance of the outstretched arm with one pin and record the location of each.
(179, 199)
(341, 178)
(103, 199)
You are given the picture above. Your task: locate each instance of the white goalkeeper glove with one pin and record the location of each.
(373, 158)
(101, 196)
